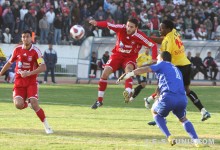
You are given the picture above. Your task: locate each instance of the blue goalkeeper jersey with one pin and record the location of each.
(169, 78)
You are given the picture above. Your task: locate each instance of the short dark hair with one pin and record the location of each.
(134, 21)
(168, 24)
(166, 56)
(27, 31)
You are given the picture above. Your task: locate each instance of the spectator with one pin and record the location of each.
(58, 24)
(44, 29)
(75, 15)
(191, 59)
(50, 18)
(189, 33)
(16, 36)
(23, 12)
(97, 32)
(93, 66)
(155, 21)
(27, 20)
(210, 63)
(40, 14)
(104, 60)
(8, 19)
(209, 26)
(85, 13)
(7, 36)
(217, 33)
(50, 58)
(66, 26)
(201, 32)
(199, 67)
(100, 14)
(118, 15)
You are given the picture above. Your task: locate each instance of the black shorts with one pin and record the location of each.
(186, 71)
(141, 79)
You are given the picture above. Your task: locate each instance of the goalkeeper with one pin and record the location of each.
(172, 96)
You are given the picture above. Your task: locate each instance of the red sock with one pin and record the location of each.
(41, 115)
(102, 88)
(154, 95)
(128, 83)
(25, 105)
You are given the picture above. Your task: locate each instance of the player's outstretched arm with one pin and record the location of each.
(157, 40)
(93, 22)
(133, 73)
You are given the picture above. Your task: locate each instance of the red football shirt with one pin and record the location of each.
(128, 44)
(25, 60)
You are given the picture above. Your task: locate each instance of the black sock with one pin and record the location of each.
(137, 90)
(194, 98)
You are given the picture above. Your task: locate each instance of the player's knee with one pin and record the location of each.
(183, 119)
(35, 105)
(143, 85)
(19, 105)
(153, 112)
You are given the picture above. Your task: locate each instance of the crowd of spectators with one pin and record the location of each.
(208, 66)
(50, 20)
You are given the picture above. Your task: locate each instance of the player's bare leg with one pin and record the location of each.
(20, 103)
(41, 115)
(128, 84)
(102, 87)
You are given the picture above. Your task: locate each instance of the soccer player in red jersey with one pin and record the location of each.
(124, 54)
(29, 63)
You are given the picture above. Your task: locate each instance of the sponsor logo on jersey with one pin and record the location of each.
(19, 64)
(124, 51)
(29, 58)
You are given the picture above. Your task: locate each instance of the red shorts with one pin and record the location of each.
(118, 60)
(28, 92)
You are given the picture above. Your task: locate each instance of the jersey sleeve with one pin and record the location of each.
(114, 27)
(13, 56)
(156, 67)
(39, 57)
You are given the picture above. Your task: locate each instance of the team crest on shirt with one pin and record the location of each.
(132, 42)
(29, 58)
(121, 45)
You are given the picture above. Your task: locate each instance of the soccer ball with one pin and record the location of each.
(77, 32)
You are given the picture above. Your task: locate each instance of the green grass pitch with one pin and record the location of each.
(115, 126)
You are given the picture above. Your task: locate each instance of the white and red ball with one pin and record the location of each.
(77, 32)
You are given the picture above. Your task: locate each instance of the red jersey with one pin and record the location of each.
(127, 44)
(26, 60)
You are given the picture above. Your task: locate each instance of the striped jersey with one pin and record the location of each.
(127, 44)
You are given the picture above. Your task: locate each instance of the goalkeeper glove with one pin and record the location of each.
(125, 76)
